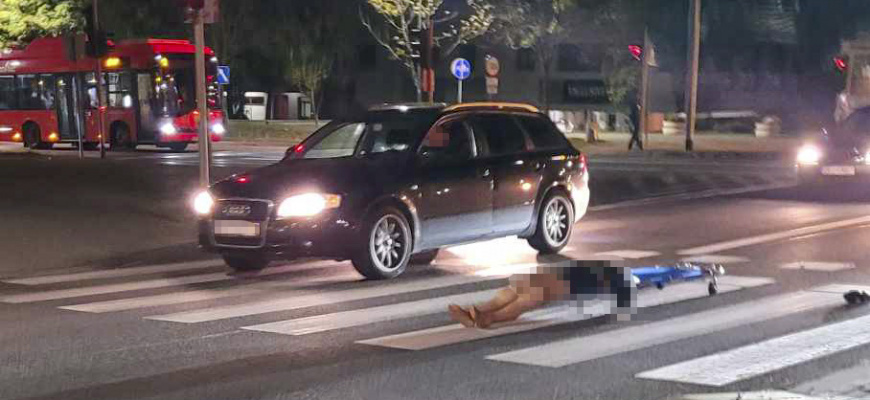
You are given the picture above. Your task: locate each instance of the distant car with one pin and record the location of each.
(842, 151)
(396, 184)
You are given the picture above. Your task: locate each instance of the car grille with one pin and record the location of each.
(238, 241)
(246, 210)
(249, 210)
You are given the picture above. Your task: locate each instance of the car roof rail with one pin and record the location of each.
(406, 106)
(487, 105)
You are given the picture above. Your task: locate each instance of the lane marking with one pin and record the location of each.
(771, 355)
(454, 333)
(771, 237)
(717, 259)
(347, 319)
(759, 395)
(116, 273)
(689, 196)
(284, 304)
(148, 284)
(818, 266)
(586, 348)
(629, 254)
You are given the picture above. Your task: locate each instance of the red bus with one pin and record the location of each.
(150, 95)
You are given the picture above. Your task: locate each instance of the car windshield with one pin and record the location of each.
(378, 132)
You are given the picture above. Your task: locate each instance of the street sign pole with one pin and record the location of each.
(459, 90)
(692, 82)
(204, 145)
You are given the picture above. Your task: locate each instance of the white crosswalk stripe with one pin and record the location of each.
(285, 304)
(746, 362)
(585, 348)
(116, 273)
(453, 334)
(347, 319)
(147, 284)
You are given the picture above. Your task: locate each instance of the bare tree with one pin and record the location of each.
(307, 68)
(401, 17)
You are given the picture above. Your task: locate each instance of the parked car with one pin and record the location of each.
(841, 151)
(396, 184)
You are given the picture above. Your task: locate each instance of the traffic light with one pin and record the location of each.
(841, 64)
(97, 45)
(636, 51)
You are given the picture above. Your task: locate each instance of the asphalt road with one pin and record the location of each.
(167, 324)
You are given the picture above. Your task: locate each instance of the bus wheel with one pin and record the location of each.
(178, 146)
(121, 140)
(32, 137)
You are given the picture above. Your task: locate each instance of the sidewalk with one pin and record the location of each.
(731, 146)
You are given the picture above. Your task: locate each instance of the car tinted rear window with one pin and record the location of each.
(501, 133)
(542, 132)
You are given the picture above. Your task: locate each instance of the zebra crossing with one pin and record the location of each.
(286, 290)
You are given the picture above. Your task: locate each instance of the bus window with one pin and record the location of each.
(119, 89)
(34, 92)
(8, 94)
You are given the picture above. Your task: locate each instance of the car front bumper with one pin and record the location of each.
(826, 172)
(327, 236)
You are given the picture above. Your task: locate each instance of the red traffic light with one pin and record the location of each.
(636, 51)
(840, 63)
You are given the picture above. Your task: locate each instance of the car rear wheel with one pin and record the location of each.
(245, 262)
(386, 249)
(424, 258)
(555, 224)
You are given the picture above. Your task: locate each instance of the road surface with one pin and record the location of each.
(166, 322)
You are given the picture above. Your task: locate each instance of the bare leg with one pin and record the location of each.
(510, 312)
(529, 294)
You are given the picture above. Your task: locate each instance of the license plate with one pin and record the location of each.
(236, 228)
(838, 170)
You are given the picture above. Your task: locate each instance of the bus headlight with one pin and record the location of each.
(809, 155)
(308, 204)
(218, 128)
(168, 129)
(203, 203)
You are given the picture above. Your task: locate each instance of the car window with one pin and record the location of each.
(542, 132)
(500, 132)
(340, 143)
(448, 141)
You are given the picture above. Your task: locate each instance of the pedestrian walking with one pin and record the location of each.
(572, 280)
(634, 117)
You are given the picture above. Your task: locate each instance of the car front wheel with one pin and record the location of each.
(246, 262)
(555, 224)
(386, 249)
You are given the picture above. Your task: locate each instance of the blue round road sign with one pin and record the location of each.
(460, 68)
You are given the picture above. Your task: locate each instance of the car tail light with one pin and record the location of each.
(582, 162)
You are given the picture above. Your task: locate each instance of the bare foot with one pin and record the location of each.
(481, 319)
(460, 315)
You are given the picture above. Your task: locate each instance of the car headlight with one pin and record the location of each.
(218, 128)
(809, 154)
(308, 204)
(168, 129)
(203, 203)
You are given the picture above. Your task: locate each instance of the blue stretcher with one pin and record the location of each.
(662, 275)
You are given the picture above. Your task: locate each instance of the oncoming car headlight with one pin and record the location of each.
(809, 154)
(308, 204)
(218, 128)
(203, 203)
(168, 128)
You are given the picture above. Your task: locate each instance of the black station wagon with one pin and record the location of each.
(391, 187)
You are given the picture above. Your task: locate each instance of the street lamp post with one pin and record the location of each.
(692, 82)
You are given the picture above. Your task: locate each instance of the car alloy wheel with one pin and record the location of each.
(557, 221)
(388, 243)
